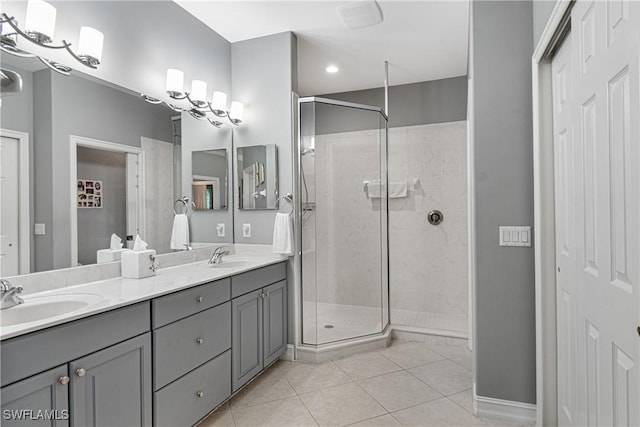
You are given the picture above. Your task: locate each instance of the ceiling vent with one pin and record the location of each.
(360, 14)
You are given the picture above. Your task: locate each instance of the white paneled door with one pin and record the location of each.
(596, 101)
(9, 207)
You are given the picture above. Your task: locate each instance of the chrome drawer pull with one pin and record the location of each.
(64, 380)
(200, 394)
(200, 341)
(200, 299)
(81, 372)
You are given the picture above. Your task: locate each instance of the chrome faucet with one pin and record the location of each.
(187, 247)
(218, 253)
(9, 294)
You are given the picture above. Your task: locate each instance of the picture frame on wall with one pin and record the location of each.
(90, 194)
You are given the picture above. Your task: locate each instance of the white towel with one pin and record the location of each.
(397, 190)
(283, 234)
(374, 189)
(180, 233)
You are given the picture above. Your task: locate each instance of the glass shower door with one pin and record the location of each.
(343, 204)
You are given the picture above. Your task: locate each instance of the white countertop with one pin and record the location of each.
(118, 292)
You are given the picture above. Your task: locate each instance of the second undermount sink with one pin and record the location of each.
(234, 261)
(42, 307)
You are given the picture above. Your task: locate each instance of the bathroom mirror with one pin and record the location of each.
(209, 179)
(84, 130)
(257, 167)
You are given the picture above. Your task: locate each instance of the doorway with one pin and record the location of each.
(117, 207)
(14, 203)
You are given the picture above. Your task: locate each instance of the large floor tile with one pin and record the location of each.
(445, 376)
(306, 377)
(441, 413)
(366, 365)
(341, 405)
(398, 390)
(220, 418)
(269, 386)
(381, 421)
(463, 399)
(410, 354)
(280, 413)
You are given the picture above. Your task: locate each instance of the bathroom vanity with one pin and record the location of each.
(164, 350)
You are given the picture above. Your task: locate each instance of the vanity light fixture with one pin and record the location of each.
(199, 107)
(332, 69)
(40, 22)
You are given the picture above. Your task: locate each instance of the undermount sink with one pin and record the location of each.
(42, 307)
(233, 261)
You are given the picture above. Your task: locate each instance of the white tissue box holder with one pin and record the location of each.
(109, 255)
(139, 264)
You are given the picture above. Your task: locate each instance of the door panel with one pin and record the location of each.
(275, 321)
(246, 347)
(597, 173)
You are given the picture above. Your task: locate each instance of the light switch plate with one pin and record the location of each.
(246, 230)
(220, 229)
(515, 236)
(38, 229)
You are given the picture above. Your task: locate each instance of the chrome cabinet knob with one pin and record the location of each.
(200, 341)
(64, 380)
(200, 394)
(81, 372)
(200, 299)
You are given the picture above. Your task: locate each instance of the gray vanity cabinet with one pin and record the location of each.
(247, 336)
(113, 386)
(45, 391)
(258, 321)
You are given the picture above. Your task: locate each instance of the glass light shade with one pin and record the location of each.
(198, 91)
(175, 81)
(236, 111)
(219, 102)
(90, 43)
(40, 19)
(5, 29)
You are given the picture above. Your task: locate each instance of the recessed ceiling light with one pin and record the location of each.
(332, 69)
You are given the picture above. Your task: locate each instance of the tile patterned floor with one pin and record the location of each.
(407, 384)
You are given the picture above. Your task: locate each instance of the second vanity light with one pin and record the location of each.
(197, 98)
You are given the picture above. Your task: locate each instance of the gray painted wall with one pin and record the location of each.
(501, 128)
(541, 12)
(436, 101)
(263, 78)
(95, 226)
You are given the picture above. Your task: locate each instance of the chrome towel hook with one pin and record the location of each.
(289, 198)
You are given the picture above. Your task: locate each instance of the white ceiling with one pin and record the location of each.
(423, 40)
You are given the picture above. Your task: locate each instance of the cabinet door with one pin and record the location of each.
(41, 400)
(274, 320)
(246, 332)
(113, 387)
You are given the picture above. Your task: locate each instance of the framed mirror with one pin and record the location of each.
(209, 179)
(257, 177)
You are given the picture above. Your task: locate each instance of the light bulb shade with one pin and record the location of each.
(40, 20)
(6, 30)
(236, 111)
(219, 103)
(199, 91)
(175, 82)
(90, 44)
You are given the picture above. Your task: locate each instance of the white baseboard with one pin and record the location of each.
(288, 354)
(516, 412)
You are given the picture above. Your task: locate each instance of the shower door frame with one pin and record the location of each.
(297, 211)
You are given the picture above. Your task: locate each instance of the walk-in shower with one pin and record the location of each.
(342, 219)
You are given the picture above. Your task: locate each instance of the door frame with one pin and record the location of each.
(80, 141)
(544, 215)
(24, 211)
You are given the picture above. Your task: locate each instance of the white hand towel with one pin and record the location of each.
(283, 234)
(180, 233)
(397, 190)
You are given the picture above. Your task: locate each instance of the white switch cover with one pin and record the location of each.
(515, 236)
(38, 229)
(246, 230)
(220, 230)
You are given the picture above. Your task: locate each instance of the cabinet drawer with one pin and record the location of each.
(177, 349)
(172, 307)
(256, 279)
(179, 404)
